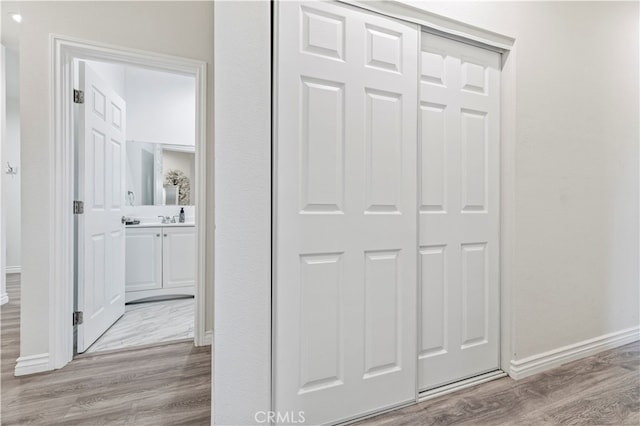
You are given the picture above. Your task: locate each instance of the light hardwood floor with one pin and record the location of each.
(162, 385)
(603, 389)
(170, 385)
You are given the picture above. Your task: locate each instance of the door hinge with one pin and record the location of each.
(78, 207)
(78, 318)
(78, 96)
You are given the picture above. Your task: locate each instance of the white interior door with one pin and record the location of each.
(345, 199)
(100, 184)
(459, 211)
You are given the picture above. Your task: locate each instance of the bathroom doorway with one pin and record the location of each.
(135, 234)
(164, 239)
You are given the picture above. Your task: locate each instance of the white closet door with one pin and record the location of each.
(345, 210)
(459, 211)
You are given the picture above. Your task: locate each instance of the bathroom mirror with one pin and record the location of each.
(159, 174)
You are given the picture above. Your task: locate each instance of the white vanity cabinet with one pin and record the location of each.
(143, 259)
(160, 261)
(178, 257)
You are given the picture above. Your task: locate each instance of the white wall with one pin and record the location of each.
(242, 339)
(161, 106)
(112, 74)
(166, 101)
(3, 123)
(174, 28)
(11, 154)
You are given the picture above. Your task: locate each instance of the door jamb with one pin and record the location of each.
(63, 50)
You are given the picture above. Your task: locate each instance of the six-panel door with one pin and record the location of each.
(101, 122)
(459, 211)
(345, 280)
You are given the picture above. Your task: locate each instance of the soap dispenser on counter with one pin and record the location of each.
(181, 215)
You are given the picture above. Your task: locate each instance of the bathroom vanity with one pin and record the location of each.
(160, 260)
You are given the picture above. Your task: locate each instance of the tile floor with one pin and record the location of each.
(148, 323)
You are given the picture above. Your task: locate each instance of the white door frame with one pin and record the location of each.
(63, 51)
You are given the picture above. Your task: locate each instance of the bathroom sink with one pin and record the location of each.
(162, 225)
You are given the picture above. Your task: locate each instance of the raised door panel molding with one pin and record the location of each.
(383, 151)
(382, 313)
(322, 33)
(433, 168)
(322, 147)
(321, 357)
(433, 339)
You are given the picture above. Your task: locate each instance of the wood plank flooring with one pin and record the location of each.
(170, 385)
(603, 389)
(162, 385)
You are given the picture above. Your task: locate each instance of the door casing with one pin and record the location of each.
(64, 50)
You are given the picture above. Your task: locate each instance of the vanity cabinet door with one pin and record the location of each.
(144, 259)
(179, 249)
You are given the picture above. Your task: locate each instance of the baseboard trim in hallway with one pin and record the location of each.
(32, 364)
(208, 338)
(13, 269)
(525, 367)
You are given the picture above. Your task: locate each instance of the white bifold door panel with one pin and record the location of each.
(101, 234)
(459, 211)
(345, 208)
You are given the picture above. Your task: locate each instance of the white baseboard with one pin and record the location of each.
(525, 367)
(208, 338)
(13, 269)
(32, 364)
(4, 298)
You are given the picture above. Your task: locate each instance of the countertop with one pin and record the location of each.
(161, 225)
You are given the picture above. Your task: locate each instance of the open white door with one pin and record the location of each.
(345, 197)
(100, 183)
(459, 211)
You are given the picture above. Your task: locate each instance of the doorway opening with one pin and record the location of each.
(135, 160)
(152, 225)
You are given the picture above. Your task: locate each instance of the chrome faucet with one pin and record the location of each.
(165, 219)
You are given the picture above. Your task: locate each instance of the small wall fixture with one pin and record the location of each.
(11, 170)
(16, 16)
